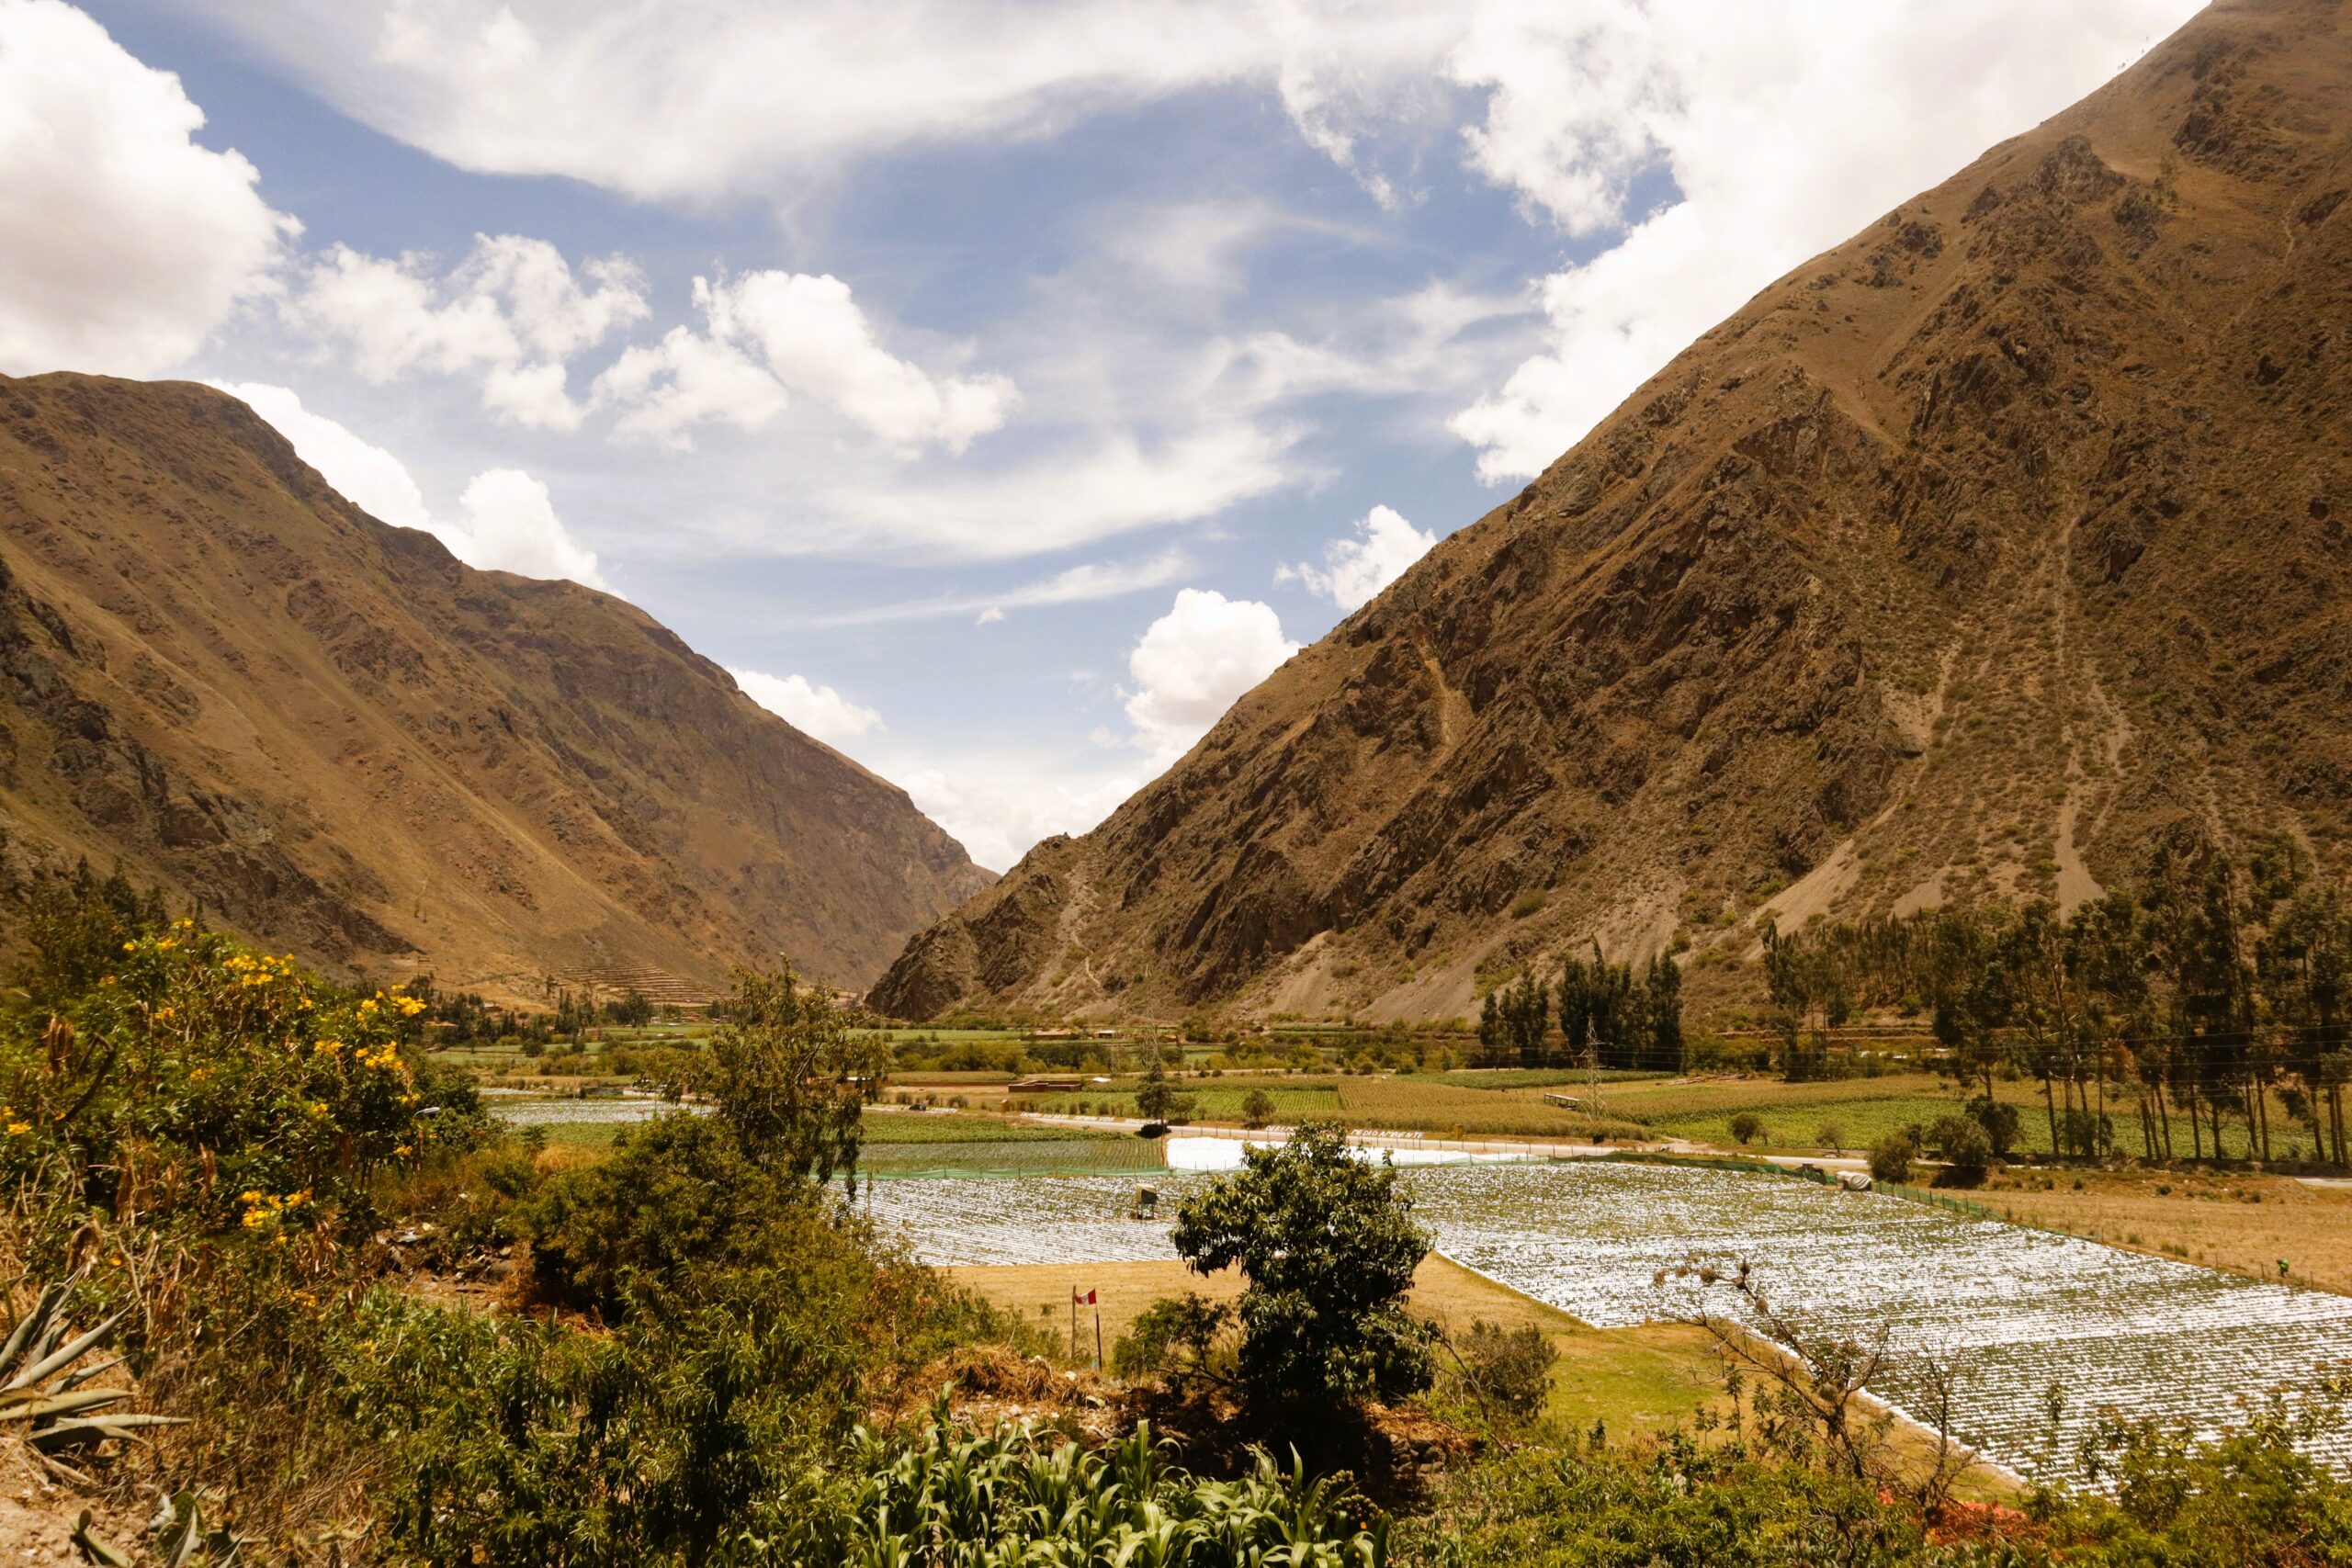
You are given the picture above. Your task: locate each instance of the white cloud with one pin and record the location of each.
(126, 242)
(771, 334)
(814, 710)
(998, 806)
(1354, 570)
(1192, 664)
(703, 97)
(1780, 141)
(505, 521)
(362, 473)
(1078, 584)
(1063, 500)
(509, 525)
(511, 311)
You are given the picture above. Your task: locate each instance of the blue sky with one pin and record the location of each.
(1054, 369)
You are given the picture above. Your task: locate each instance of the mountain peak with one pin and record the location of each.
(1958, 564)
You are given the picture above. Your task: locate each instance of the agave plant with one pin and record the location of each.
(60, 1411)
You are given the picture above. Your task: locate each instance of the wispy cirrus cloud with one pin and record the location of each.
(1083, 583)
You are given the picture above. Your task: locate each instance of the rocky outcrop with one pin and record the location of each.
(1958, 562)
(344, 742)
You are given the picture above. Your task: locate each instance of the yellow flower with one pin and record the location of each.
(130, 947)
(163, 1012)
(402, 1150)
(318, 1107)
(411, 1007)
(18, 1129)
(249, 1196)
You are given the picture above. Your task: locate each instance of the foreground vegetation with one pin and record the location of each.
(363, 1321)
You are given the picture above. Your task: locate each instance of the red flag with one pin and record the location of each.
(1081, 1297)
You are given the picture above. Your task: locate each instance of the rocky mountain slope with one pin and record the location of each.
(1962, 560)
(348, 744)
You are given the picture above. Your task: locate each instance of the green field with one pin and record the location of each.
(886, 1127)
(1214, 1099)
(1542, 1078)
(1064, 1157)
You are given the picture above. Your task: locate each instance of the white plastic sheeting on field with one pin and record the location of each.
(2022, 1309)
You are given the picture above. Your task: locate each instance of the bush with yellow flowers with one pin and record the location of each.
(199, 1079)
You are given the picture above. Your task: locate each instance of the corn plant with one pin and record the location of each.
(1017, 1497)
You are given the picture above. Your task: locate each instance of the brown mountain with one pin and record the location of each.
(346, 743)
(1962, 560)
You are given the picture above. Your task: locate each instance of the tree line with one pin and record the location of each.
(2181, 1006)
(1596, 1014)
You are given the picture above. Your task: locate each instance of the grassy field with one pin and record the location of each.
(1214, 1099)
(1418, 1104)
(1862, 1110)
(880, 1127)
(1567, 1078)
(2248, 1224)
(1632, 1380)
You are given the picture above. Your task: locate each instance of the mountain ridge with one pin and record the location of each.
(346, 741)
(1958, 563)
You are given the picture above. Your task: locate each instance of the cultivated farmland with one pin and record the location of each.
(2024, 1309)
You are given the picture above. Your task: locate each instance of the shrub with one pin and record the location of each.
(1747, 1127)
(200, 1081)
(1999, 1122)
(1508, 1368)
(1967, 1153)
(1891, 1157)
(1830, 1135)
(1178, 1338)
(1257, 1107)
(676, 1197)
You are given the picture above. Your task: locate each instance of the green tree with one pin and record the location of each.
(1158, 1100)
(786, 1072)
(1892, 1155)
(1328, 1245)
(1257, 1107)
(1662, 1015)
(1959, 1142)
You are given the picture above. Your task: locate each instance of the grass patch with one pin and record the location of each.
(1430, 1105)
(1542, 1078)
(886, 1127)
(1071, 1156)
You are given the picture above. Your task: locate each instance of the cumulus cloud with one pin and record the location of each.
(998, 807)
(505, 519)
(768, 334)
(1354, 570)
(507, 522)
(1779, 141)
(812, 709)
(1190, 665)
(361, 472)
(128, 243)
(512, 313)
